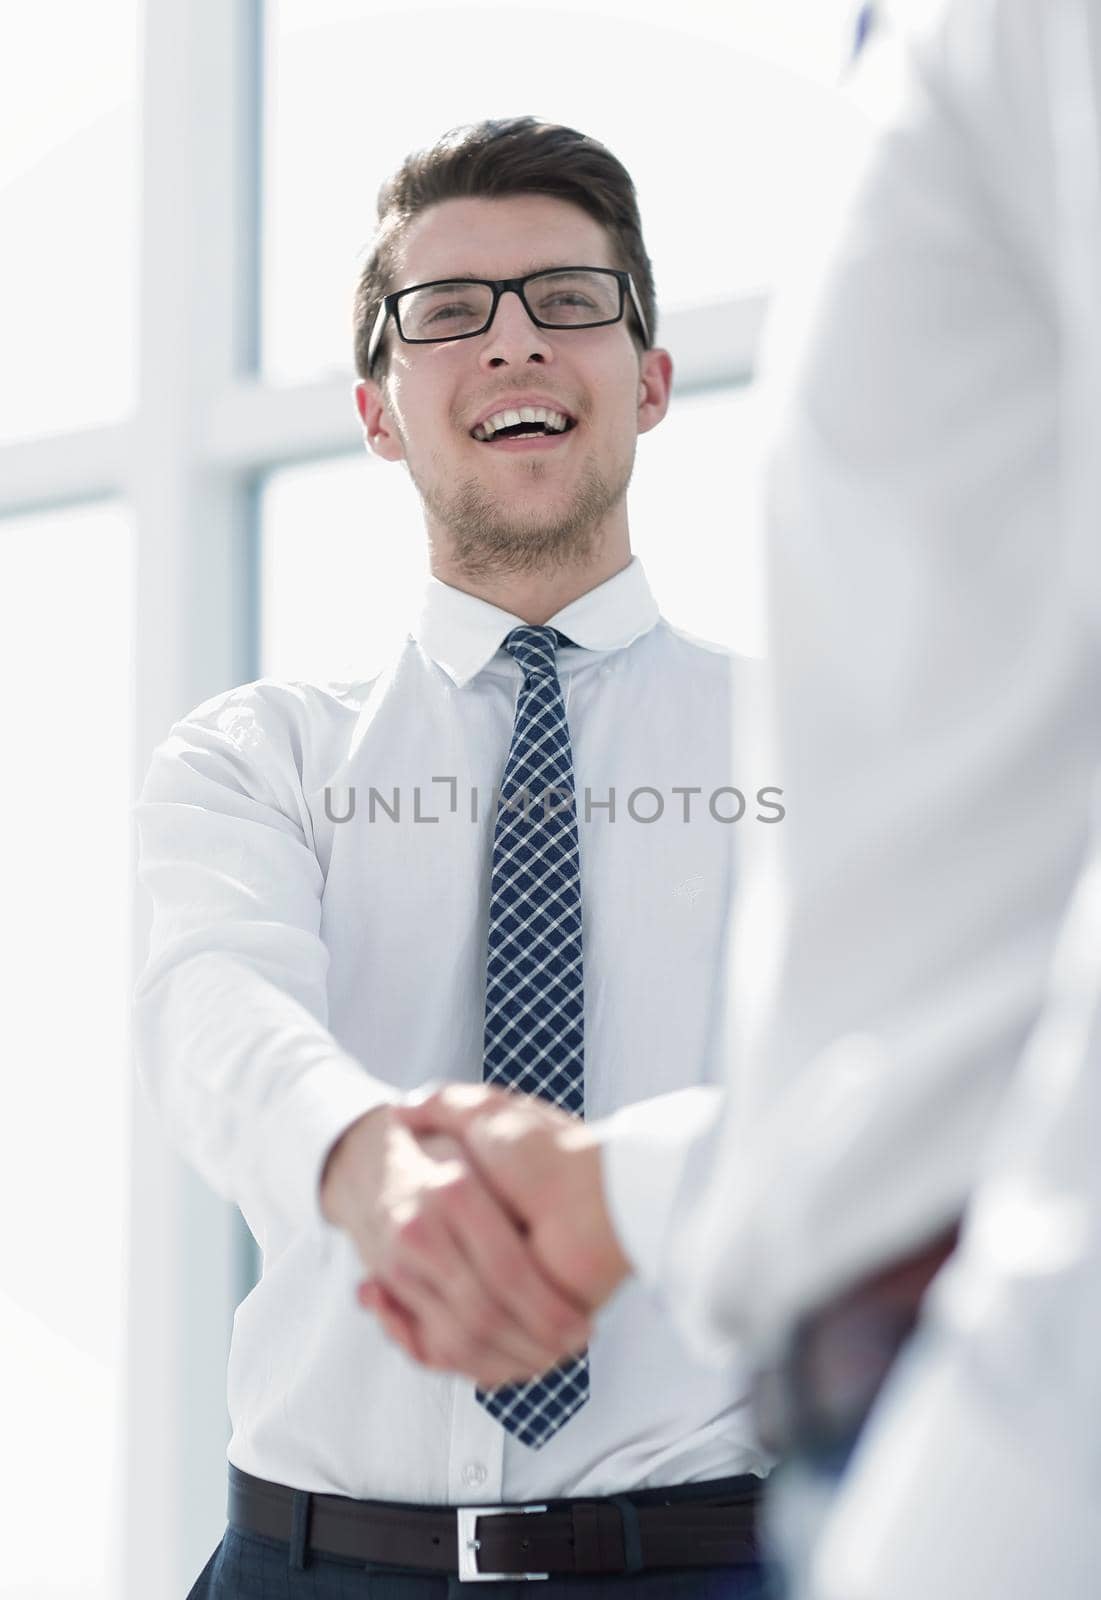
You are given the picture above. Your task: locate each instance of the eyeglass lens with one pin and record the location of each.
(564, 299)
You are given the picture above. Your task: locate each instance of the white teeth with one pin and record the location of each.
(555, 421)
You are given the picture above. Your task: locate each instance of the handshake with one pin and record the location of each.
(479, 1215)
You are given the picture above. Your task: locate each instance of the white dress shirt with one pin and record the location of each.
(935, 610)
(1002, 1387)
(304, 969)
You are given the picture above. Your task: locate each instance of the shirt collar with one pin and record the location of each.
(462, 633)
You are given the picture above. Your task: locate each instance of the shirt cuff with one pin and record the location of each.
(646, 1148)
(324, 1102)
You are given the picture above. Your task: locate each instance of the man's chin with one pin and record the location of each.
(536, 523)
(527, 550)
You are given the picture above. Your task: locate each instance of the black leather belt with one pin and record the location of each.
(708, 1524)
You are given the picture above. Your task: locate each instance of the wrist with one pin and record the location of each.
(350, 1152)
(580, 1198)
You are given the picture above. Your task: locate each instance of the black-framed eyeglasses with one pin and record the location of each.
(462, 308)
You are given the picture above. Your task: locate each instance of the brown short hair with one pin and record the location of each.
(491, 159)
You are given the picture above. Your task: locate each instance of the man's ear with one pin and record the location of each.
(655, 385)
(379, 432)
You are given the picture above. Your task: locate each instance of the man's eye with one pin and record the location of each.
(445, 312)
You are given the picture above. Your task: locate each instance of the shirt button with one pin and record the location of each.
(474, 1473)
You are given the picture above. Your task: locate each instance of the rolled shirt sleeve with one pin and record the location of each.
(230, 1012)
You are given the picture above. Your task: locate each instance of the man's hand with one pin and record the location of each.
(545, 1168)
(455, 1280)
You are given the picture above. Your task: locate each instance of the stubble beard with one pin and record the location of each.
(485, 538)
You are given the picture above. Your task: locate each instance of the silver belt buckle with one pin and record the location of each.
(468, 1544)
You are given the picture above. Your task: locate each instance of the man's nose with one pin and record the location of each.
(512, 335)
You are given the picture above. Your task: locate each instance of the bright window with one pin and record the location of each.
(342, 562)
(68, 207)
(66, 606)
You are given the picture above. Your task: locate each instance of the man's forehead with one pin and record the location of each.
(445, 241)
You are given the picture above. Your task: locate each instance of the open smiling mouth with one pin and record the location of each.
(524, 435)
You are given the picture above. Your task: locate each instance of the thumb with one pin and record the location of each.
(424, 1118)
(464, 1126)
(500, 1159)
(449, 1110)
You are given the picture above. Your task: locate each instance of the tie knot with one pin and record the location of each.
(536, 649)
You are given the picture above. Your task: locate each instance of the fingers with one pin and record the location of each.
(429, 1328)
(455, 1282)
(404, 1329)
(499, 1256)
(451, 1109)
(461, 1321)
(393, 1316)
(506, 1136)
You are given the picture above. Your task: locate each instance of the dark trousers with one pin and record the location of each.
(250, 1566)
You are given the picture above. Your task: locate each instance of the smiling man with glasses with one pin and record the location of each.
(540, 904)
(437, 348)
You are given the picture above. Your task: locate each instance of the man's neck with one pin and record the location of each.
(535, 596)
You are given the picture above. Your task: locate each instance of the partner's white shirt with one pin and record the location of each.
(303, 969)
(934, 554)
(1002, 1386)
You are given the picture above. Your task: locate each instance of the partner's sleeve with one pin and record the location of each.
(230, 1011)
(647, 1148)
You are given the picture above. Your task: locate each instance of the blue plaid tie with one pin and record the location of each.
(534, 1024)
